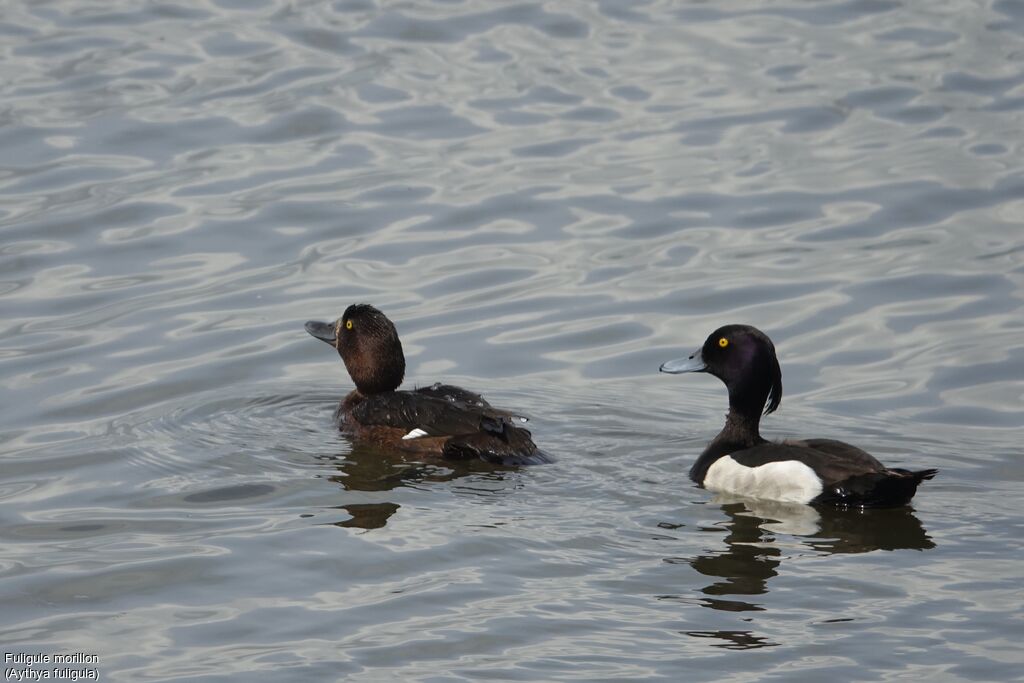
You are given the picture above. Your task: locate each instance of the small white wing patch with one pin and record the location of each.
(414, 434)
(789, 481)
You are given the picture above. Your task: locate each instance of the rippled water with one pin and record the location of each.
(549, 200)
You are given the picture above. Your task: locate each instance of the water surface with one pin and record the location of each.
(549, 199)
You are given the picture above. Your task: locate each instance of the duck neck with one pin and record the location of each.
(740, 431)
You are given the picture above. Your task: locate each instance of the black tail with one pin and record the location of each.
(921, 475)
(891, 488)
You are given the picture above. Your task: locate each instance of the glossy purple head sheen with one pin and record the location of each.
(368, 344)
(744, 358)
(747, 363)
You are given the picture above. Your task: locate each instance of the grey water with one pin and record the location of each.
(549, 200)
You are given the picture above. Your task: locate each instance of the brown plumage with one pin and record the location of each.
(440, 420)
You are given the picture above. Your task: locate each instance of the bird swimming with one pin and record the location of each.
(439, 420)
(809, 471)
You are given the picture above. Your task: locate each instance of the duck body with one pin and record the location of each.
(810, 471)
(437, 420)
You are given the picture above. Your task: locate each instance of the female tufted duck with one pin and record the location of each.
(809, 471)
(437, 420)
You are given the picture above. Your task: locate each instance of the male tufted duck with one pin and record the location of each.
(809, 471)
(437, 420)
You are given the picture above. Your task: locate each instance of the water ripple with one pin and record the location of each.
(549, 201)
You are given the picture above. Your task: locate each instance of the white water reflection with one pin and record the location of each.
(548, 201)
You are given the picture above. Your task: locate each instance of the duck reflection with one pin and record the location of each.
(734, 640)
(752, 555)
(371, 469)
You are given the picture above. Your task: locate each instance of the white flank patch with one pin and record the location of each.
(788, 481)
(414, 434)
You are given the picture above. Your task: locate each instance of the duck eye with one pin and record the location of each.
(348, 324)
(723, 342)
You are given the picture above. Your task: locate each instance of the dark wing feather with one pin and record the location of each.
(513, 446)
(848, 452)
(849, 476)
(453, 394)
(832, 465)
(409, 410)
(473, 428)
(466, 399)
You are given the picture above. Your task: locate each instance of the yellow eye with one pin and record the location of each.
(723, 342)
(348, 324)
